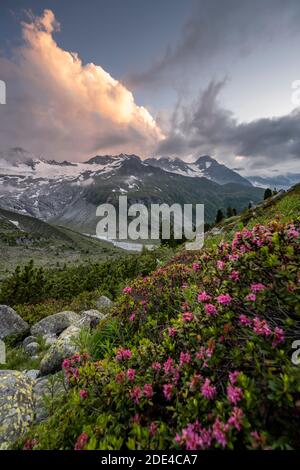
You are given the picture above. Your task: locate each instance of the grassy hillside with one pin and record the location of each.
(196, 355)
(23, 238)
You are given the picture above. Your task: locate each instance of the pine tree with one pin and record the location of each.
(229, 212)
(219, 216)
(268, 193)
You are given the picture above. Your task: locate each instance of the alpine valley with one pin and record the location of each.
(67, 193)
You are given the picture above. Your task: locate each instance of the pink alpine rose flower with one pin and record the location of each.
(187, 316)
(234, 276)
(279, 336)
(251, 297)
(233, 376)
(261, 327)
(208, 391)
(234, 394)
(257, 287)
(127, 290)
(148, 391)
(219, 432)
(81, 441)
(224, 299)
(196, 266)
(236, 418)
(220, 265)
(185, 358)
(131, 375)
(244, 320)
(293, 233)
(168, 390)
(172, 331)
(203, 297)
(123, 354)
(210, 309)
(83, 394)
(136, 394)
(152, 429)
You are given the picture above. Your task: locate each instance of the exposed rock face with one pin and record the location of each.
(104, 303)
(54, 324)
(90, 319)
(64, 347)
(11, 324)
(16, 406)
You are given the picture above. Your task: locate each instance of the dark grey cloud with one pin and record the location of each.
(215, 28)
(205, 127)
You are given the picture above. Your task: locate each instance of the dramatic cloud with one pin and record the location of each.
(221, 30)
(59, 107)
(204, 127)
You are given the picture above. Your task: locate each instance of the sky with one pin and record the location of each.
(161, 78)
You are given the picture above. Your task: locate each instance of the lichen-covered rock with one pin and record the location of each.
(64, 347)
(54, 324)
(11, 324)
(104, 303)
(46, 389)
(32, 373)
(90, 319)
(16, 406)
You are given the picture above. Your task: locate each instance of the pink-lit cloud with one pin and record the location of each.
(64, 109)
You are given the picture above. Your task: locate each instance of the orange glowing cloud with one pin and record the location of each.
(67, 109)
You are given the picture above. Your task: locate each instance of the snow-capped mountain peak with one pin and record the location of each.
(205, 167)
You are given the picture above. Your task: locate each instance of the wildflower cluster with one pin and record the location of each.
(205, 360)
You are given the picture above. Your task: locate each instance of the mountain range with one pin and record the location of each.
(275, 182)
(68, 193)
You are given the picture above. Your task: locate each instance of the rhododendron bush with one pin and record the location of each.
(206, 357)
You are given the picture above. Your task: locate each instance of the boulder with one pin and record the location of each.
(32, 349)
(49, 339)
(64, 347)
(11, 324)
(90, 319)
(104, 303)
(32, 373)
(54, 324)
(28, 340)
(46, 389)
(16, 406)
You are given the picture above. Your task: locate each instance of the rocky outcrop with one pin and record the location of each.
(16, 406)
(11, 324)
(25, 399)
(54, 324)
(104, 303)
(64, 347)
